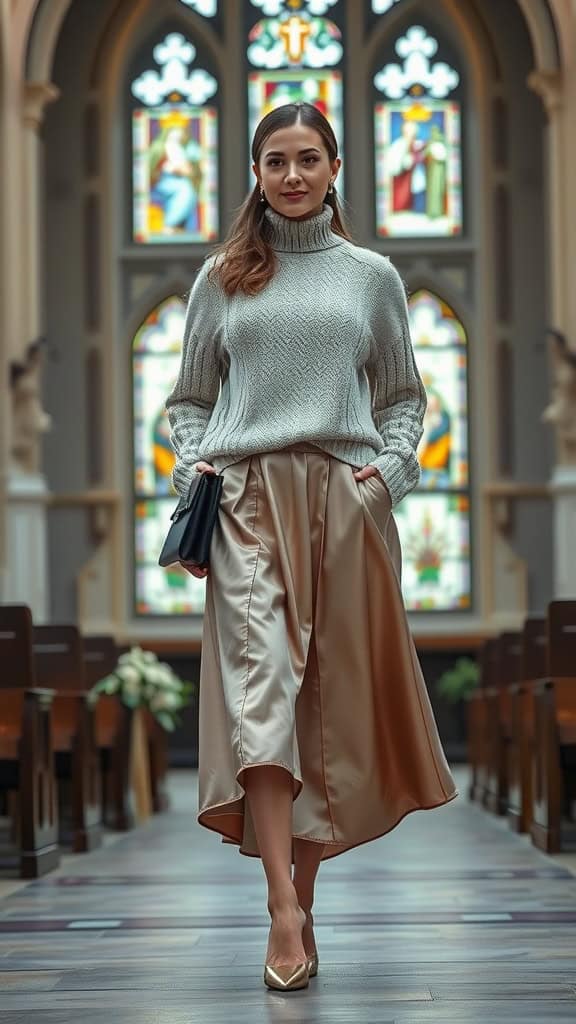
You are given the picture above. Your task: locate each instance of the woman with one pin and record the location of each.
(298, 382)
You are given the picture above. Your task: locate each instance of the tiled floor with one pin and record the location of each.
(450, 919)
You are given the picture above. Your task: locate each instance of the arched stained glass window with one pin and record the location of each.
(299, 50)
(417, 141)
(156, 353)
(175, 148)
(434, 521)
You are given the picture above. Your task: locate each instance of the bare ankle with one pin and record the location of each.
(282, 899)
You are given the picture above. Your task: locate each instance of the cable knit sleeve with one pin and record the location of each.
(191, 401)
(398, 395)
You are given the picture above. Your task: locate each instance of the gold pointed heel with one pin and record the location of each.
(286, 978)
(313, 965)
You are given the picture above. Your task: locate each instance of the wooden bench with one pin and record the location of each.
(554, 762)
(521, 745)
(113, 728)
(478, 735)
(59, 665)
(26, 752)
(158, 758)
(507, 653)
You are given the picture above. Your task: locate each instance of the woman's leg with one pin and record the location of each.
(269, 791)
(307, 857)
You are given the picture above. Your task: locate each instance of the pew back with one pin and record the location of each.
(58, 657)
(562, 638)
(16, 660)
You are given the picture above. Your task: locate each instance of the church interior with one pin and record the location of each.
(125, 130)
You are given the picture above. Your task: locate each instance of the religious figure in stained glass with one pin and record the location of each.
(156, 352)
(418, 180)
(175, 149)
(434, 521)
(440, 350)
(435, 446)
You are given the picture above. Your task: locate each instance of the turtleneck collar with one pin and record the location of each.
(310, 235)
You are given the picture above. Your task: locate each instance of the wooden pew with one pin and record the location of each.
(59, 665)
(507, 652)
(113, 726)
(26, 754)
(521, 746)
(478, 736)
(158, 757)
(554, 763)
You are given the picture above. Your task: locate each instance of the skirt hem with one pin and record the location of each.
(342, 847)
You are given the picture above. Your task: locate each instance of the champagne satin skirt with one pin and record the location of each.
(307, 659)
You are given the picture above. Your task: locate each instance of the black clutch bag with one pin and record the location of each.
(193, 520)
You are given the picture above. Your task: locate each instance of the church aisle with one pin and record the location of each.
(449, 919)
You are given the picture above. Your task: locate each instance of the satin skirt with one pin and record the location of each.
(307, 658)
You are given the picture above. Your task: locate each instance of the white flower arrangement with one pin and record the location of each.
(141, 680)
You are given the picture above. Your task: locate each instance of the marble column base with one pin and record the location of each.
(27, 549)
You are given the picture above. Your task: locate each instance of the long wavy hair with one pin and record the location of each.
(246, 261)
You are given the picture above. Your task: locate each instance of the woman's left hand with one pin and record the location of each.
(366, 473)
(363, 474)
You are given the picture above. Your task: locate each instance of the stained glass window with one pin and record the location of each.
(156, 354)
(434, 521)
(299, 50)
(417, 142)
(207, 8)
(175, 140)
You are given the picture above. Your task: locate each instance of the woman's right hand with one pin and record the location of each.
(204, 467)
(194, 570)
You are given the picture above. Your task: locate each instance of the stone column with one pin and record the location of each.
(26, 579)
(4, 315)
(37, 96)
(558, 95)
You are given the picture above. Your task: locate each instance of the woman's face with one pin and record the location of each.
(295, 170)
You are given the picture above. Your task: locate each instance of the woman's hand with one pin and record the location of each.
(194, 570)
(204, 467)
(368, 471)
(363, 474)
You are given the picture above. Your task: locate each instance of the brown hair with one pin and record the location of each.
(246, 261)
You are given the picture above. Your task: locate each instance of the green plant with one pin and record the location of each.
(457, 682)
(141, 680)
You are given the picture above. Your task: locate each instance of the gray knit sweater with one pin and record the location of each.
(321, 355)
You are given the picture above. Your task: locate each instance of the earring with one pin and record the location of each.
(262, 196)
(331, 187)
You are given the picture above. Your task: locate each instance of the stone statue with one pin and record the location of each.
(29, 421)
(562, 409)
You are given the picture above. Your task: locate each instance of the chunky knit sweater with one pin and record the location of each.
(322, 355)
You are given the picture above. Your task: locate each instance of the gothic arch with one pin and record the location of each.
(469, 35)
(165, 286)
(129, 26)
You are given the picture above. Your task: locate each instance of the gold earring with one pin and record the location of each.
(262, 196)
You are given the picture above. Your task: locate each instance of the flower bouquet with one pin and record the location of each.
(141, 680)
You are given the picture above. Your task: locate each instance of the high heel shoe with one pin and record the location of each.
(286, 978)
(313, 965)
